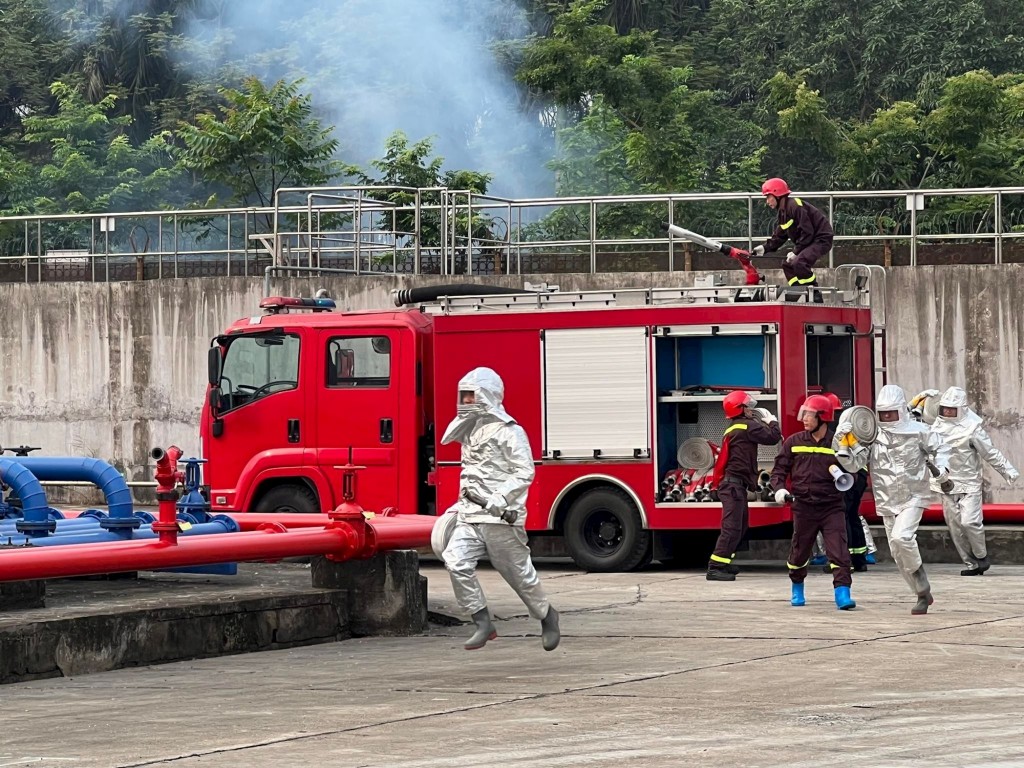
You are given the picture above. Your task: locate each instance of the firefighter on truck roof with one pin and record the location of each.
(806, 226)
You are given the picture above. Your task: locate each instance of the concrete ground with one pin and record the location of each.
(659, 668)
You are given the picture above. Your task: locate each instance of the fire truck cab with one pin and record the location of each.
(609, 386)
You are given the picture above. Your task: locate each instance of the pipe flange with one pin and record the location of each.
(36, 526)
(120, 523)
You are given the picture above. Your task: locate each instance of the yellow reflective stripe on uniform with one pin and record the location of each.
(798, 201)
(793, 280)
(717, 559)
(812, 449)
(734, 426)
(805, 281)
(787, 225)
(858, 550)
(798, 567)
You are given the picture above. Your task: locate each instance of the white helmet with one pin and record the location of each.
(953, 405)
(891, 398)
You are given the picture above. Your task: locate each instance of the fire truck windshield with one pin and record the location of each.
(258, 365)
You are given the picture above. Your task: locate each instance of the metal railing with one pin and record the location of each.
(358, 229)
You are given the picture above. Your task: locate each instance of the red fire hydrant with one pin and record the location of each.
(167, 479)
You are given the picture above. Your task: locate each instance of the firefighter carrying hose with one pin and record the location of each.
(806, 459)
(735, 473)
(901, 459)
(809, 230)
(969, 444)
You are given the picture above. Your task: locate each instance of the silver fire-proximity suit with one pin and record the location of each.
(969, 445)
(897, 461)
(497, 470)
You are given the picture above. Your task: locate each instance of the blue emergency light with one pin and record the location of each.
(279, 303)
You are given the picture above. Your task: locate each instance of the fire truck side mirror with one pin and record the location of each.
(213, 365)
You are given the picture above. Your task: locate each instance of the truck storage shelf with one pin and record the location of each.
(710, 398)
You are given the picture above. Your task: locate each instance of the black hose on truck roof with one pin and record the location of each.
(403, 296)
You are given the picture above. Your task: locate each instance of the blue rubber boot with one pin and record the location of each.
(797, 599)
(869, 558)
(819, 560)
(843, 600)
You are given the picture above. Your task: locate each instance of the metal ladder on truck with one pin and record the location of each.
(868, 282)
(852, 288)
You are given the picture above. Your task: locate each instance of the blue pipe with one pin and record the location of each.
(35, 511)
(75, 525)
(219, 524)
(106, 478)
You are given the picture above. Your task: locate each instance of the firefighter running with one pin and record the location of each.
(807, 227)
(736, 473)
(961, 428)
(805, 459)
(497, 469)
(898, 461)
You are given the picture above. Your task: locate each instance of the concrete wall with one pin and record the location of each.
(113, 370)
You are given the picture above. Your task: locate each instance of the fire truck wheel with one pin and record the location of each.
(287, 498)
(603, 532)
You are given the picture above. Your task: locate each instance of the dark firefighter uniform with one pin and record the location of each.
(736, 472)
(855, 537)
(810, 232)
(818, 506)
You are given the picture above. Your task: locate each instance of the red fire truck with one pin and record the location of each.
(607, 384)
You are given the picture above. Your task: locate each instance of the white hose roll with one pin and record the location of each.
(930, 408)
(696, 453)
(442, 532)
(863, 423)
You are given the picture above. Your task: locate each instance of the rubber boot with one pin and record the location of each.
(859, 562)
(869, 558)
(484, 630)
(731, 568)
(923, 601)
(983, 564)
(797, 600)
(550, 635)
(843, 600)
(972, 572)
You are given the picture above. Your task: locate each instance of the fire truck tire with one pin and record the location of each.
(603, 532)
(288, 498)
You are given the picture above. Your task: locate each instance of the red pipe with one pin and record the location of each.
(342, 540)
(251, 521)
(997, 514)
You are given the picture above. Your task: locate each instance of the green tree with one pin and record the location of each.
(444, 200)
(33, 58)
(90, 165)
(263, 139)
(626, 100)
(135, 49)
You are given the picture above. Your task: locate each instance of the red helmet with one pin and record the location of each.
(776, 187)
(817, 404)
(735, 402)
(834, 399)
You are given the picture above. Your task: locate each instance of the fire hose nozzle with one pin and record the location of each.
(508, 515)
(947, 485)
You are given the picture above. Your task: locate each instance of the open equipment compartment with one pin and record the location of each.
(695, 368)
